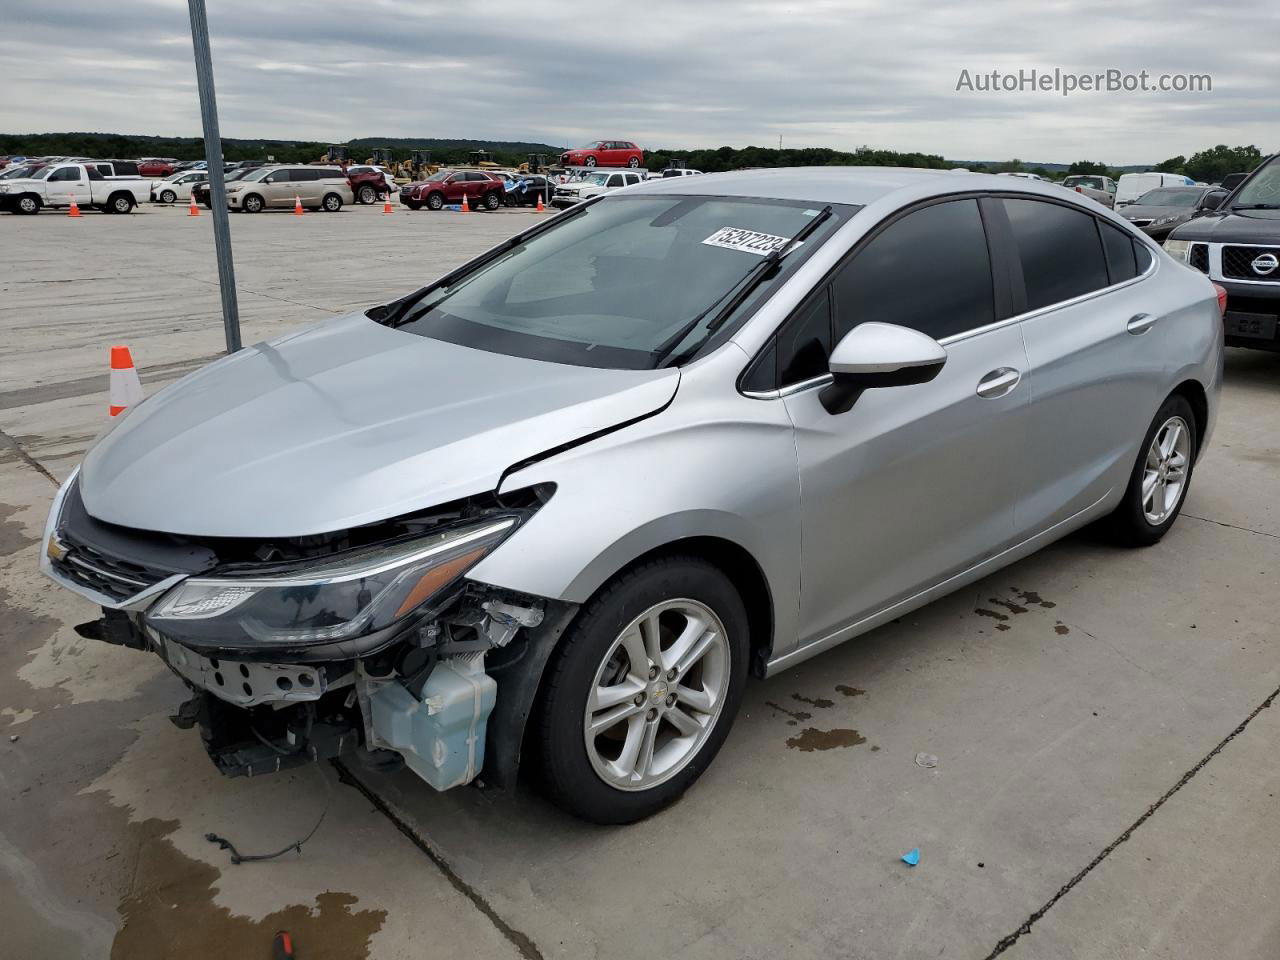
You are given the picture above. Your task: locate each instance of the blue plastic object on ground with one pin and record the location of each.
(911, 857)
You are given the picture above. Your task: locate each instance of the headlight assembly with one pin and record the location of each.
(334, 599)
(1178, 249)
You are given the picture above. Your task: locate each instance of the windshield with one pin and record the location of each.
(1094, 182)
(1170, 197)
(439, 175)
(592, 146)
(598, 179)
(43, 172)
(238, 174)
(253, 176)
(612, 285)
(1263, 189)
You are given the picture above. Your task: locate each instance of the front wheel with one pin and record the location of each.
(643, 690)
(28, 205)
(633, 163)
(1158, 484)
(167, 196)
(331, 203)
(120, 203)
(252, 203)
(435, 201)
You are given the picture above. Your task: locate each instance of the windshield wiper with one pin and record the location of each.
(753, 278)
(1256, 206)
(395, 313)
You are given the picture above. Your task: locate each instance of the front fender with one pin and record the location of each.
(712, 464)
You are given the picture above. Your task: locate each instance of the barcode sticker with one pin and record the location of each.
(748, 241)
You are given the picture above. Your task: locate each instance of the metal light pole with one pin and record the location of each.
(213, 162)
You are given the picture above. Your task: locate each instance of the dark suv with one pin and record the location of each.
(1238, 246)
(450, 186)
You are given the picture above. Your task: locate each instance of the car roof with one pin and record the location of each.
(851, 185)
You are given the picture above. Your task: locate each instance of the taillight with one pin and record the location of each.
(1222, 298)
(1079, 190)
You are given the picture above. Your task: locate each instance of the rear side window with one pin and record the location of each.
(929, 271)
(1122, 264)
(1060, 251)
(1143, 255)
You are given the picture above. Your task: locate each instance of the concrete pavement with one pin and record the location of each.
(1064, 698)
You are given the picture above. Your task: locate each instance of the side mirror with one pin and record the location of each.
(874, 355)
(1212, 201)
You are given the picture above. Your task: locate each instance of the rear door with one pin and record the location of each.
(1096, 355)
(914, 484)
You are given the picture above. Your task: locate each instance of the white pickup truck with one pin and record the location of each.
(58, 184)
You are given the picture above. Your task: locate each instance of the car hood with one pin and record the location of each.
(345, 423)
(1238, 226)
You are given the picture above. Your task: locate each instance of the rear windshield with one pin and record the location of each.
(621, 283)
(1095, 183)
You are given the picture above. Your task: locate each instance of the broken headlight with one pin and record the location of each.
(329, 600)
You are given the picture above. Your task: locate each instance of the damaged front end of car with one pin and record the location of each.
(369, 640)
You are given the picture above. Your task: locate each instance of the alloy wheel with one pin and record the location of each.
(657, 694)
(1164, 477)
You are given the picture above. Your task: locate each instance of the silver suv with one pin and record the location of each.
(318, 188)
(568, 496)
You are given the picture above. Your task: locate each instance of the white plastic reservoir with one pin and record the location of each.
(440, 736)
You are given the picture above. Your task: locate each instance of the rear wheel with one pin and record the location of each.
(1158, 484)
(633, 162)
(120, 203)
(366, 194)
(643, 690)
(331, 203)
(435, 201)
(492, 201)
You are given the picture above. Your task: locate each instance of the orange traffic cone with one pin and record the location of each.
(541, 208)
(126, 388)
(74, 211)
(297, 206)
(386, 205)
(194, 211)
(465, 207)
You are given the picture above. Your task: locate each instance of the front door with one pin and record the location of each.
(914, 484)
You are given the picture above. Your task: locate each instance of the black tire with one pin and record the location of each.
(168, 196)
(331, 203)
(366, 194)
(567, 772)
(492, 201)
(413, 204)
(27, 205)
(119, 203)
(633, 163)
(252, 204)
(1128, 524)
(435, 201)
(589, 162)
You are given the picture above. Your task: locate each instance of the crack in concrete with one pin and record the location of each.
(9, 443)
(517, 938)
(1006, 942)
(1232, 526)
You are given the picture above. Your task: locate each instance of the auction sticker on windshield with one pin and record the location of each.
(748, 241)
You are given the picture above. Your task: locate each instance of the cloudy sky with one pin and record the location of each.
(838, 73)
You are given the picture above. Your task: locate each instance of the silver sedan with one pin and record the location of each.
(571, 494)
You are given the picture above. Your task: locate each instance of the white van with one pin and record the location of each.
(1133, 185)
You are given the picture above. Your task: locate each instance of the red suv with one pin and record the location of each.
(604, 153)
(481, 189)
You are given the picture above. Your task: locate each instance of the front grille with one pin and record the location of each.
(118, 579)
(1265, 305)
(1237, 263)
(1141, 223)
(1199, 257)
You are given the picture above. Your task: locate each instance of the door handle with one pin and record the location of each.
(998, 382)
(1140, 324)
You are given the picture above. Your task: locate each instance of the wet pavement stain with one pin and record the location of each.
(849, 691)
(12, 536)
(1002, 626)
(820, 702)
(810, 739)
(983, 612)
(1031, 597)
(793, 714)
(170, 913)
(1061, 629)
(1008, 605)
